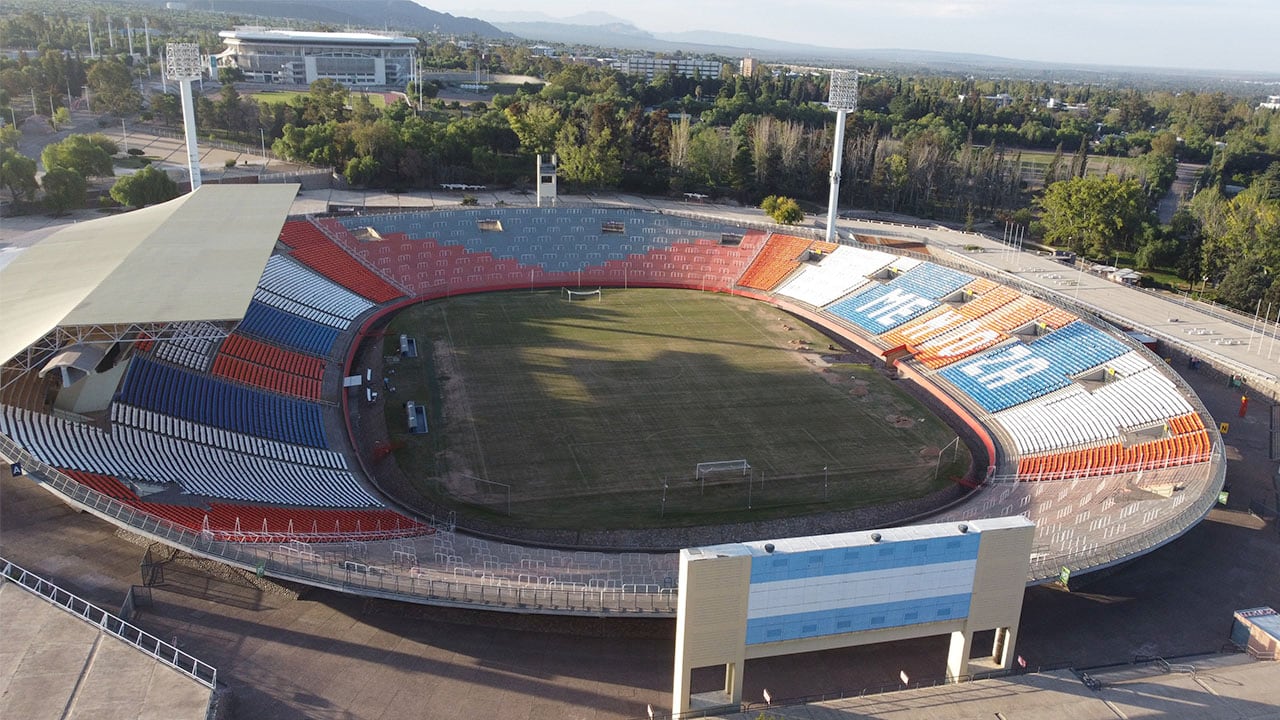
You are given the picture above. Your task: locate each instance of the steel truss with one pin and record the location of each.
(60, 337)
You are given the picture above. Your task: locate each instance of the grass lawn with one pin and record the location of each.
(286, 96)
(588, 414)
(136, 162)
(1099, 165)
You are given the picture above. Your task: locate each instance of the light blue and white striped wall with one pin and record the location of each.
(757, 599)
(799, 592)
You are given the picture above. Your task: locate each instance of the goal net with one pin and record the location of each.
(580, 294)
(704, 469)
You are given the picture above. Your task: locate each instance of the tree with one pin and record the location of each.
(1245, 283)
(326, 101)
(230, 74)
(1246, 227)
(63, 190)
(1160, 170)
(710, 156)
(1093, 215)
(783, 210)
(86, 155)
(113, 89)
(18, 174)
(594, 162)
(536, 124)
(146, 187)
(9, 137)
(361, 170)
(167, 106)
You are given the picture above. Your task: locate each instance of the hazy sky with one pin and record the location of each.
(1227, 34)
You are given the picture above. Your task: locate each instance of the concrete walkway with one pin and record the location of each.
(1231, 687)
(54, 665)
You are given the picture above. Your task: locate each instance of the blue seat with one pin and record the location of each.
(881, 308)
(286, 329)
(210, 401)
(522, 229)
(931, 281)
(1013, 374)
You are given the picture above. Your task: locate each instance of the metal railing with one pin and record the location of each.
(334, 571)
(1046, 568)
(1104, 555)
(197, 670)
(439, 586)
(1103, 470)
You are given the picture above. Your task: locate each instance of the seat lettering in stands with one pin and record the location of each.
(1014, 365)
(925, 329)
(895, 305)
(967, 343)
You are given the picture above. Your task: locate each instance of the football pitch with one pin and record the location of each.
(595, 412)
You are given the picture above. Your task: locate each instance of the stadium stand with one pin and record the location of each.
(266, 378)
(1070, 401)
(449, 253)
(285, 280)
(844, 270)
(259, 523)
(1014, 374)
(932, 281)
(288, 330)
(122, 414)
(780, 255)
(915, 290)
(193, 348)
(246, 348)
(1134, 395)
(161, 459)
(1184, 444)
(947, 318)
(313, 248)
(988, 330)
(173, 391)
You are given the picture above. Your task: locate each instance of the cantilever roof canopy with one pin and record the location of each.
(198, 257)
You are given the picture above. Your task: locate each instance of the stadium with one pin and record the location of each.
(232, 410)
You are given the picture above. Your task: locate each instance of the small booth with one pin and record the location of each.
(1257, 631)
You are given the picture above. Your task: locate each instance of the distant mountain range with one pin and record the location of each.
(400, 15)
(599, 29)
(606, 31)
(600, 32)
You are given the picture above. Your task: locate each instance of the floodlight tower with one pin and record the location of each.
(182, 64)
(842, 98)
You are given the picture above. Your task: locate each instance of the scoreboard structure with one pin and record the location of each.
(743, 601)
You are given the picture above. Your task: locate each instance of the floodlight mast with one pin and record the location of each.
(182, 64)
(843, 97)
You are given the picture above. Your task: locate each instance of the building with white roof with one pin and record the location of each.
(293, 57)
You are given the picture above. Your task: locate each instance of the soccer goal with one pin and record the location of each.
(722, 466)
(580, 294)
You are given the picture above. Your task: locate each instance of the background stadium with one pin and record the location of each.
(1082, 430)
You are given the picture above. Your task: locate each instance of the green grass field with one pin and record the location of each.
(285, 96)
(578, 414)
(1099, 165)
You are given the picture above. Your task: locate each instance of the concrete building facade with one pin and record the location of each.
(291, 57)
(650, 66)
(759, 599)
